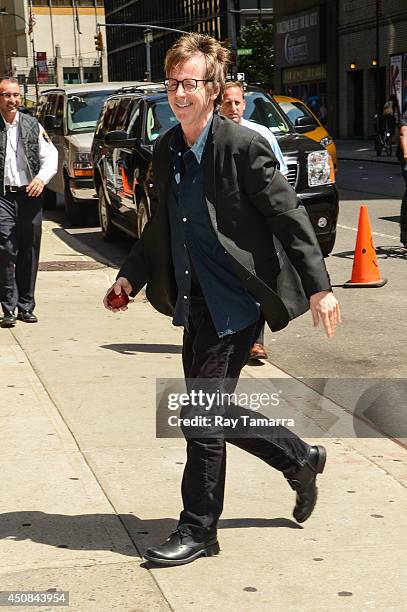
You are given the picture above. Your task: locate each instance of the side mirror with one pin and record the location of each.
(305, 124)
(52, 124)
(120, 140)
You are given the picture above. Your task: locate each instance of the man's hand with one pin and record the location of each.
(324, 306)
(34, 189)
(122, 284)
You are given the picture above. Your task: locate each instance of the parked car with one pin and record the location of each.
(305, 122)
(69, 115)
(132, 120)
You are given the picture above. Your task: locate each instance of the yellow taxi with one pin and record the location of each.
(305, 122)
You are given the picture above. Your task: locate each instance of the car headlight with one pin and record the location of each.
(83, 157)
(82, 165)
(320, 169)
(325, 142)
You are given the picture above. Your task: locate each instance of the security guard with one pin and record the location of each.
(28, 161)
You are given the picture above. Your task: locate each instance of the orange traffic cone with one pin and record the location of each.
(365, 271)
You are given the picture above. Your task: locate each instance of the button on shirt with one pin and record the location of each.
(201, 264)
(16, 171)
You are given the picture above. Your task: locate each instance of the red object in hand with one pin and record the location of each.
(117, 300)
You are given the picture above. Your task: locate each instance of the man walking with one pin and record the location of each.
(226, 242)
(28, 160)
(233, 106)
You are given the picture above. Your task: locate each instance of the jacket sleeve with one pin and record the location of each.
(278, 203)
(134, 267)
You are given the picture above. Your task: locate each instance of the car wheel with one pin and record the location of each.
(75, 211)
(109, 231)
(328, 245)
(49, 199)
(143, 215)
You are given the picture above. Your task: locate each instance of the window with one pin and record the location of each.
(83, 110)
(133, 128)
(160, 118)
(106, 118)
(42, 104)
(293, 110)
(121, 118)
(260, 109)
(79, 3)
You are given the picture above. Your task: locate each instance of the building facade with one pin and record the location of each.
(61, 42)
(135, 54)
(372, 61)
(346, 56)
(306, 55)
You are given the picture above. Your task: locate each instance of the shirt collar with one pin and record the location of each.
(198, 147)
(15, 121)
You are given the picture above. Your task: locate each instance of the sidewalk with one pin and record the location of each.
(86, 486)
(363, 150)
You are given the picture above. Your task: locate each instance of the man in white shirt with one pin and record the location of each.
(28, 161)
(233, 106)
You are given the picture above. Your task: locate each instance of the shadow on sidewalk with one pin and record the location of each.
(133, 349)
(382, 252)
(100, 531)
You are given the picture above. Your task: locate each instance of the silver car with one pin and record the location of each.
(69, 115)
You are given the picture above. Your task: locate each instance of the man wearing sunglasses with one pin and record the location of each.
(209, 260)
(28, 160)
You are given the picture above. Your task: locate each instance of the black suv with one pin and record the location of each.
(132, 120)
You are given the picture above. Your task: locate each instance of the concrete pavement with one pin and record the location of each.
(86, 486)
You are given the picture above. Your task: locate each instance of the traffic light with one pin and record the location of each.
(99, 41)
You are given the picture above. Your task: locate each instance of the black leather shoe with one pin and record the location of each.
(304, 483)
(27, 316)
(8, 320)
(181, 547)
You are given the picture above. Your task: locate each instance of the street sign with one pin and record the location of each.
(245, 51)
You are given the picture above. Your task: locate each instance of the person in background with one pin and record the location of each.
(233, 106)
(402, 155)
(391, 115)
(28, 160)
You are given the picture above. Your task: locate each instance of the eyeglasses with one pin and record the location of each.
(8, 95)
(188, 85)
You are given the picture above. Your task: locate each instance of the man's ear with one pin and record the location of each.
(216, 90)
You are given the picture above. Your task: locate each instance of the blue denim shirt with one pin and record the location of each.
(201, 264)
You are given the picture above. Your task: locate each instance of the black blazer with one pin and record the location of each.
(257, 218)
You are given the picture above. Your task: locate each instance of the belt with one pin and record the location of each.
(14, 188)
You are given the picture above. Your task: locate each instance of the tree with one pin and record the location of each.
(259, 66)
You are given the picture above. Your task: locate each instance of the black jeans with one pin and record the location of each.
(20, 237)
(206, 356)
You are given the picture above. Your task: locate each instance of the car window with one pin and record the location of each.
(133, 128)
(122, 114)
(160, 118)
(42, 108)
(104, 124)
(260, 109)
(83, 110)
(59, 109)
(293, 110)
